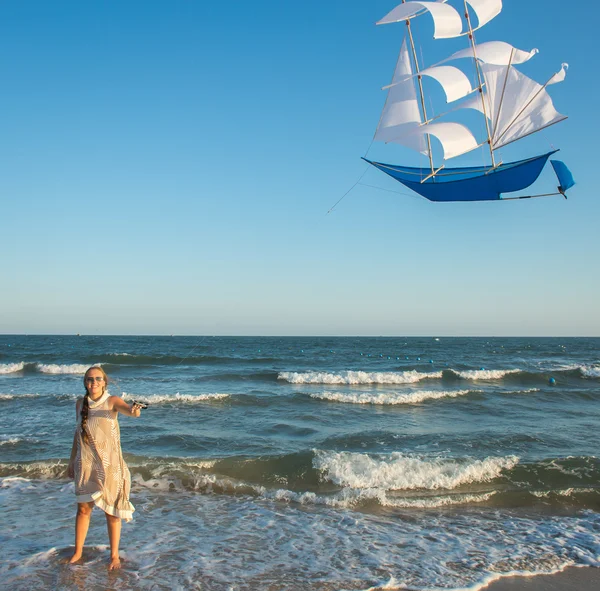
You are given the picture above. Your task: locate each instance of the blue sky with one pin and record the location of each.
(167, 168)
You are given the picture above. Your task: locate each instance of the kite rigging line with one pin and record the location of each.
(356, 183)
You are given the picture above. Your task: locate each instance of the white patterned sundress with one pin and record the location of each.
(101, 474)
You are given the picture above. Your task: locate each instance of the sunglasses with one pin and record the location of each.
(92, 380)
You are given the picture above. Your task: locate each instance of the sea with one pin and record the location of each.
(308, 464)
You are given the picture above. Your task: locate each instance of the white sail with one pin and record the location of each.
(401, 113)
(560, 75)
(519, 106)
(446, 19)
(453, 81)
(401, 121)
(474, 102)
(485, 10)
(495, 52)
(456, 139)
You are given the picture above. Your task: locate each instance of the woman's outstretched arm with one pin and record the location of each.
(131, 410)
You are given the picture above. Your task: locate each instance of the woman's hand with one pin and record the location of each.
(132, 410)
(136, 409)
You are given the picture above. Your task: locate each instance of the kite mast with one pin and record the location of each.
(419, 78)
(480, 83)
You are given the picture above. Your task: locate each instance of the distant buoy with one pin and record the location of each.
(431, 361)
(552, 381)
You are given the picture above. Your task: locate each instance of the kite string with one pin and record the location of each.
(117, 382)
(348, 191)
(356, 183)
(193, 349)
(388, 190)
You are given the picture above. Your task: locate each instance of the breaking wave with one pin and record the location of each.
(590, 371)
(6, 368)
(484, 374)
(356, 480)
(17, 396)
(182, 398)
(398, 471)
(358, 377)
(73, 368)
(389, 398)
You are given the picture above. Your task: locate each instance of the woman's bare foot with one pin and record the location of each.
(75, 558)
(115, 563)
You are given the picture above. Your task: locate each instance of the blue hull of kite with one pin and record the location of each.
(476, 183)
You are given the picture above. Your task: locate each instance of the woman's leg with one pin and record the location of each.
(82, 523)
(114, 536)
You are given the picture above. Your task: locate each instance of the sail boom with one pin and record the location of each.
(501, 145)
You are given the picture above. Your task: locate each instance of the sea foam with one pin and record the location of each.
(358, 377)
(11, 367)
(389, 398)
(590, 371)
(397, 471)
(484, 374)
(73, 368)
(347, 498)
(182, 398)
(4, 440)
(17, 396)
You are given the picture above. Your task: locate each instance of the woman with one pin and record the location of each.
(101, 476)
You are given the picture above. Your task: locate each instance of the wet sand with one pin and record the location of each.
(571, 579)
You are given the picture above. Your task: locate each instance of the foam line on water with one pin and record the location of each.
(357, 377)
(484, 374)
(590, 371)
(6, 368)
(390, 398)
(344, 499)
(398, 471)
(72, 368)
(17, 396)
(6, 440)
(182, 398)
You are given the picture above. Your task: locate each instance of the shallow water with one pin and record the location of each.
(299, 463)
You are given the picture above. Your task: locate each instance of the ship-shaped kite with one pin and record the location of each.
(512, 106)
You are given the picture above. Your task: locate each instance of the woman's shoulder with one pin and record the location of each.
(113, 401)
